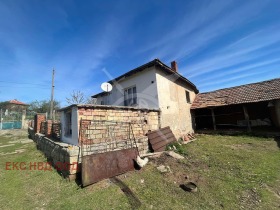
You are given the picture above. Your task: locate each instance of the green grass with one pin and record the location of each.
(232, 172)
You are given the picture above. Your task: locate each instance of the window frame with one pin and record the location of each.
(188, 96)
(130, 96)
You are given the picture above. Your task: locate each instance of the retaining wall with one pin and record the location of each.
(64, 157)
(67, 158)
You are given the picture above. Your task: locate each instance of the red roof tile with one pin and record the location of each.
(17, 102)
(255, 92)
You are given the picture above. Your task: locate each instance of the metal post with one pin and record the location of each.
(1, 120)
(51, 109)
(213, 119)
(246, 115)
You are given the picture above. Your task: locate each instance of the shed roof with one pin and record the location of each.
(155, 62)
(249, 93)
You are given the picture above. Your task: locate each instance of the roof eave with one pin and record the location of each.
(155, 62)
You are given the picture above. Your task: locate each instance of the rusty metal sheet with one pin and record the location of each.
(160, 138)
(105, 165)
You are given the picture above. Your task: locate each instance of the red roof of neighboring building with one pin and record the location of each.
(255, 92)
(14, 101)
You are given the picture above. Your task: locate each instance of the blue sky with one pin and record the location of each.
(216, 44)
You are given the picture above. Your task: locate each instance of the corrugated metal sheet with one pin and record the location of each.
(105, 165)
(160, 138)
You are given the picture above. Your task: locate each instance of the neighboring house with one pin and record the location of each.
(12, 114)
(13, 105)
(155, 85)
(256, 104)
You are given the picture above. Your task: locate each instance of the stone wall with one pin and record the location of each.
(141, 143)
(65, 158)
(102, 124)
(142, 120)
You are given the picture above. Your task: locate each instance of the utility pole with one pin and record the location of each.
(1, 119)
(51, 109)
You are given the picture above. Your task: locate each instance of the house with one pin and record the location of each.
(13, 114)
(155, 85)
(247, 106)
(13, 105)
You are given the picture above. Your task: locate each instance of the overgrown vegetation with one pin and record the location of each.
(42, 106)
(232, 172)
(177, 147)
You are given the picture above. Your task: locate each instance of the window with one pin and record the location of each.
(102, 102)
(130, 96)
(68, 124)
(188, 97)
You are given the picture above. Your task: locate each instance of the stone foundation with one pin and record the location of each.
(64, 157)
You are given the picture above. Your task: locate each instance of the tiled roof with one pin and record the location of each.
(255, 92)
(17, 102)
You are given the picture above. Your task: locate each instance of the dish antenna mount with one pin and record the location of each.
(107, 87)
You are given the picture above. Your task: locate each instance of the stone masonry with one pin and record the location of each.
(65, 158)
(124, 123)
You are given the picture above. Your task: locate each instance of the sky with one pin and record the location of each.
(217, 43)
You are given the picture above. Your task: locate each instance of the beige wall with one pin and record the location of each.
(175, 111)
(155, 89)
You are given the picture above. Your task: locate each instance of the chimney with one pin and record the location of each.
(174, 66)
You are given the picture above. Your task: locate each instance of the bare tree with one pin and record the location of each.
(76, 97)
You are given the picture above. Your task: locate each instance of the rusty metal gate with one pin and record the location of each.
(108, 149)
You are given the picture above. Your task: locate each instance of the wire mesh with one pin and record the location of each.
(97, 136)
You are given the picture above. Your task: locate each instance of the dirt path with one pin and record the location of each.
(13, 141)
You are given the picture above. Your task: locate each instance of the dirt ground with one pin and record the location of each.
(238, 172)
(13, 132)
(13, 141)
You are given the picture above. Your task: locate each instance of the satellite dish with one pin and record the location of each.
(107, 87)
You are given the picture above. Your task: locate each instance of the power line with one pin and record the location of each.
(23, 83)
(24, 87)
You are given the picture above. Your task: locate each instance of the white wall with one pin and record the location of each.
(165, 93)
(73, 139)
(175, 111)
(146, 90)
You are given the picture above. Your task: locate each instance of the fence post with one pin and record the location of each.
(23, 116)
(1, 120)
